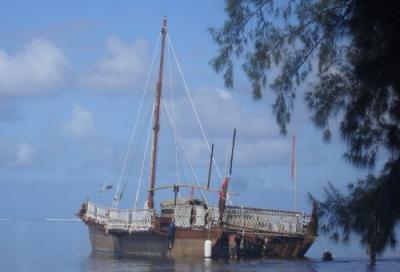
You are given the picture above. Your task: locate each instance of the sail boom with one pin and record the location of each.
(191, 186)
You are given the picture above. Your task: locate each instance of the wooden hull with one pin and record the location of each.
(142, 243)
(189, 243)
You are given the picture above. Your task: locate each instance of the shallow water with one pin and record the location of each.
(64, 246)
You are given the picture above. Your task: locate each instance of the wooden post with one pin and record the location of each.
(233, 148)
(176, 190)
(210, 166)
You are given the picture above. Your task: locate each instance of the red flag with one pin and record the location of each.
(293, 174)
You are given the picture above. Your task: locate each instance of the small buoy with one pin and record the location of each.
(327, 256)
(207, 249)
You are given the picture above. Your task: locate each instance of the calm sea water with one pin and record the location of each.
(64, 246)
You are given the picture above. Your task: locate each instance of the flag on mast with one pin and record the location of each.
(293, 173)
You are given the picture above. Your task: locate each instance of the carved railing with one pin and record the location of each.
(131, 220)
(197, 216)
(187, 216)
(266, 220)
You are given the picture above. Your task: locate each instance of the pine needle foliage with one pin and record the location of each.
(345, 54)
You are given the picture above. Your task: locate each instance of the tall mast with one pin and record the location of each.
(156, 121)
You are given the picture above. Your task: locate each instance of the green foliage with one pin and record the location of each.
(346, 55)
(287, 35)
(371, 209)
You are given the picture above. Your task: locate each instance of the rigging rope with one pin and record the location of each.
(131, 165)
(173, 113)
(113, 169)
(228, 197)
(193, 106)
(144, 160)
(116, 197)
(184, 151)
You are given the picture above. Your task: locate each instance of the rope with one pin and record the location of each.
(116, 197)
(143, 162)
(226, 162)
(193, 106)
(131, 165)
(228, 197)
(184, 151)
(139, 140)
(113, 169)
(173, 112)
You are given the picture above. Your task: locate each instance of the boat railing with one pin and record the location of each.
(96, 213)
(266, 220)
(213, 215)
(198, 216)
(188, 216)
(132, 220)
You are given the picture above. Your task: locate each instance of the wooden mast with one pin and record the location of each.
(156, 121)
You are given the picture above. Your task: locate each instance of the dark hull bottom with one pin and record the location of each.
(190, 244)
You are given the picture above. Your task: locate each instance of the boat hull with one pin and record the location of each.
(125, 243)
(189, 243)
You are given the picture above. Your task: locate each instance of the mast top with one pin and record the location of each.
(164, 27)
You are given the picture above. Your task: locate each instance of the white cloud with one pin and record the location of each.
(258, 138)
(81, 125)
(24, 153)
(15, 154)
(37, 68)
(220, 112)
(123, 68)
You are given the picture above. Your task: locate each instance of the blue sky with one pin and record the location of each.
(71, 76)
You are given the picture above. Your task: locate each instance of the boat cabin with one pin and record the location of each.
(168, 206)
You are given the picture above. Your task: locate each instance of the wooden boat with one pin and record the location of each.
(193, 227)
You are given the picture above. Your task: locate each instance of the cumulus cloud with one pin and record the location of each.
(258, 141)
(24, 153)
(221, 112)
(16, 154)
(122, 68)
(81, 124)
(37, 68)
